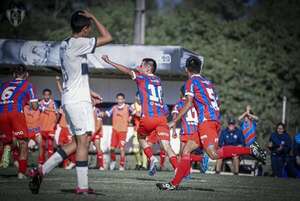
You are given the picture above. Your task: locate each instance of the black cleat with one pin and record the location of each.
(36, 180)
(258, 152)
(166, 186)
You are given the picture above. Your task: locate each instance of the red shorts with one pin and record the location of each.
(118, 138)
(97, 136)
(64, 136)
(48, 134)
(33, 133)
(208, 132)
(152, 138)
(158, 125)
(13, 125)
(185, 137)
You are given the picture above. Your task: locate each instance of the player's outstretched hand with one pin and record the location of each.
(105, 58)
(87, 14)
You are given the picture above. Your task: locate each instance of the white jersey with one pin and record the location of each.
(73, 57)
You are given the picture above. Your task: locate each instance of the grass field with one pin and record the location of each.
(137, 185)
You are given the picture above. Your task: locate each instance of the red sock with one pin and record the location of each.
(148, 152)
(50, 147)
(22, 166)
(72, 158)
(183, 169)
(65, 163)
(231, 151)
(196, 158)
(100, 159)
(162, 156)
(122, 161)
(112, 156)
(173, 161)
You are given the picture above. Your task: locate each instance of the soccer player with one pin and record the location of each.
(188, 124)
(248, 126)
(14, 95)
(96, 138)
(140, 158)
(34, 132)
(153, 109)
(48, 120)
(121, 116)
(76, 98)
(201, 93)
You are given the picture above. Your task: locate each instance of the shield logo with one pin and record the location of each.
(15, 15)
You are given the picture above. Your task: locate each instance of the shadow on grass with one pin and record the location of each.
(148, 179)
(195, 189)
(8, 175)
(72, 191)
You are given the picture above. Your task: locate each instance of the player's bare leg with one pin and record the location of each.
(122, 156)
(147, 147)
(183, 168)
(41, 148)
(165, 144)
(236, 165)
(23, 147)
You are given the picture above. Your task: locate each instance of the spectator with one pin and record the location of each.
(231, 136)
(248, 125)
(280, 146)
(293, 163)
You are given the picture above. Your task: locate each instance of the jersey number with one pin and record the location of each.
(7, 93)
(191, 116)
(213, 99)
(156, 93)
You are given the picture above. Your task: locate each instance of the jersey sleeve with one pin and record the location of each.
(189, 88)
(137, 76)
(84, 46)
(109, 112)
(31, 94)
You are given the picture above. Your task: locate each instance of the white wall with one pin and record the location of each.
(108, 88)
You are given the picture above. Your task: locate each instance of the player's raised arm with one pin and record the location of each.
(105, 35)
(120, 67)
(187, 105)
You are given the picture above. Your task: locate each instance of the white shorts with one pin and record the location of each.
(80, 117)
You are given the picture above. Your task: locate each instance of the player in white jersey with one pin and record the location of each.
(76, 99)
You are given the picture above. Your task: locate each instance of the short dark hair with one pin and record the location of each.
(280, 124)
(152, 63)
(78, 22)
(120, 94)
(47, 90)
(20, 70)
(193, 64)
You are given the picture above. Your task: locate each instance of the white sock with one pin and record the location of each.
(82, 177)
(51, 163)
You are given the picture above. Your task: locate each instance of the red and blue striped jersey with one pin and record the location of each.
(205, 98)
(15, 94)
(189, 120)
(249, 131)
(150, 92)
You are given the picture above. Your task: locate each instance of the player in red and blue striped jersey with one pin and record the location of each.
(14, 95)
(248, 126)
(201, 93)
(153, 109)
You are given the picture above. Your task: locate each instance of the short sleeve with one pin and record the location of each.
(31, 94)
(189, 88)
(137, 76)
(84, 46)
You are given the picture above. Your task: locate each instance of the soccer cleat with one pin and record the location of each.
(21, 176)
(101, 168)
(6, 157)
(153, 167)
(36, 180)
(80, 191)
(70, 166)
(166, 186)
(121, 168)
(258, 152)
(112, 165)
